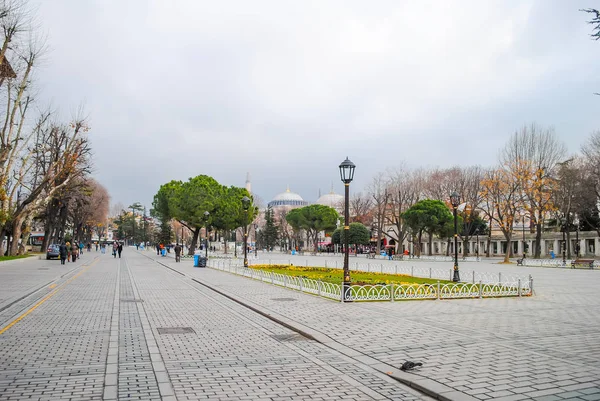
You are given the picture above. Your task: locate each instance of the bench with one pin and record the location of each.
(583, 262)
(371, 255)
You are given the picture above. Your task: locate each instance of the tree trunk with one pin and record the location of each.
(465, 250)
(448, 247)
(489, 246)
(17, 228)
(48, 228)
(194, 241)
(420, 237)
(3, 234)
(569, 244)
(430, 244)
(538, 241)
(508, 253)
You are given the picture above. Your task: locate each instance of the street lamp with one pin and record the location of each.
(246, 206)
(523, 215)
(255, 240)
(206, 214)
(346, 175)
(477, 246)
(577, 247)
(564, 243)
(455, 201)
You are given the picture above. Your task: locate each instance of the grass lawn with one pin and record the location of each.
(335, 276)
(5, 258)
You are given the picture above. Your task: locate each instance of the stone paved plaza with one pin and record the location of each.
(144, 327)
(127, 329)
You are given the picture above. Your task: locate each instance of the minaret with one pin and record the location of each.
(248, 183)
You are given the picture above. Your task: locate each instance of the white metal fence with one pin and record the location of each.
(385, 268)
(386, 292)
(558, 263)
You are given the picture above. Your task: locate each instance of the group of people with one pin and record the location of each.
(70, 251)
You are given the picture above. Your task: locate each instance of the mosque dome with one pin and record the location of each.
(287, 198)
(331, 199)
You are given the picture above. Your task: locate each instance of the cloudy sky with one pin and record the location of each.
(286, 90)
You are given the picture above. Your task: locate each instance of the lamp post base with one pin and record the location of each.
(456, 276)
(346, 292)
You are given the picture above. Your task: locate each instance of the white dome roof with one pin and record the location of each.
(331, 199)
(288, 198)
(287, 195)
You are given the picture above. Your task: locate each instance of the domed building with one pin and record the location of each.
(287, 199)
(333, 200)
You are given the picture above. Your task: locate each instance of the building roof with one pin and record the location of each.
(332, 200)
(288, 198)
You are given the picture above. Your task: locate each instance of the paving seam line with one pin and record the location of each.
(3, 308)
(315, 359)
(165, 386)
(427, 386)
(111, 374)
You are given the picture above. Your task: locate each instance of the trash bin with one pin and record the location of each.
(202, 261)
(196, 260)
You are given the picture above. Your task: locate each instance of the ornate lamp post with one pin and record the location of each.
(564, 243)
(346, 175)
(455, 201)
(255, 240)
(206, 214)
(577, 247)
(523, 215)
(477, 246)
(245, 206)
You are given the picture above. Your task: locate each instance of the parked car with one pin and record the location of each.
(53, 251)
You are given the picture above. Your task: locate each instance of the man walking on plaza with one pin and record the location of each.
(63, 252)
(177, 253)
(120, 249)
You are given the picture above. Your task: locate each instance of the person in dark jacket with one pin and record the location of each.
(177, 253)
(120, 249)
(63, 252)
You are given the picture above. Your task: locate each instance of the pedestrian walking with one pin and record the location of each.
(103, 248)
(89, 247)
(120, 249)
(115, 247)
(157, 249)
(63, 252)
(177, 253)
(74, 251)
(96, 246)
(81, 246)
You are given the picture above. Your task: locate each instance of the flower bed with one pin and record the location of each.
(372, 286)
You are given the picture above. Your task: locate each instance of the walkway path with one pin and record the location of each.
(106, 328)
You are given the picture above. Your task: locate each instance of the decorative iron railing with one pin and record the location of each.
(383, 292)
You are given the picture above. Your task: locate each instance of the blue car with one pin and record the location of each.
(53, 252)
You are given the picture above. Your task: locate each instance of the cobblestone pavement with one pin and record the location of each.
(546, 347)
(130, 329)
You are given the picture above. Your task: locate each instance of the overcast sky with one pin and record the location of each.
(286, 90)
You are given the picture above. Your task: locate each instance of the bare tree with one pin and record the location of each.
(379, 199)
(405, 188)
(531, 156)
(502, 197)
(360, 208)
(466, 181)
